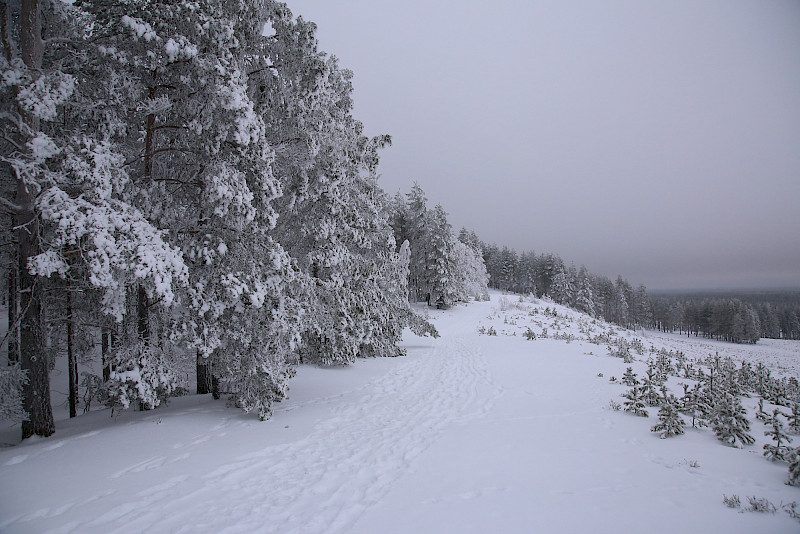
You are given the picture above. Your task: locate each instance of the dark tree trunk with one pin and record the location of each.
(106, 340)
(143, 324)
(215, 387)
(36, 393)
(72, 361)
(13, 313)
(142, 315)
(204, 376)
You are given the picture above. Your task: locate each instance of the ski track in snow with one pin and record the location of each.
(325, 481)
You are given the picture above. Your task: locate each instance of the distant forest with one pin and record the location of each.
(771, 314)
(739, 317)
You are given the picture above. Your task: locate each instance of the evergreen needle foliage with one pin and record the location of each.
(634, 402)
(670, 423)
(730, 422)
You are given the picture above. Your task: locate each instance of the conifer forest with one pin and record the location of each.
(190, 210)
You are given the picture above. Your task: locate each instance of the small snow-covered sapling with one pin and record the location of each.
(779, 451)
(634, 402)
(670, 423)
(729, 421)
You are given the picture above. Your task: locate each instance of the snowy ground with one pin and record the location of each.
(469, 433)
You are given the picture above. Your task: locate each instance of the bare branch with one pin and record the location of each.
(10, 206)
(18, 320)
(262, 69)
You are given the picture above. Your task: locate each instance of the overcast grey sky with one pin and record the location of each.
(657, 140)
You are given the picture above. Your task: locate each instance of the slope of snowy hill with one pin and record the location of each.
(481, 430)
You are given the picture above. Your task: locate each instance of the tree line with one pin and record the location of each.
(741, 317)
(548, 275)
(185, 193)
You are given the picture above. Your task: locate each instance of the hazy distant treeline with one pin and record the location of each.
(547, 274)
(733, 317)
(737, 317)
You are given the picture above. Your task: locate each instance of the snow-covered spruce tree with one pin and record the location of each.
(398, 218)
(651, 383)
(472, 280)
(670, 423)
(634, 402)
(508, 265)
(794, 418)
(780, 450)
(559, 289)
(584, 299)
(622, 299)
(441, 268)
(696, 404)
(417, 225)
(729, 421)
(629, 378)
(794, 467)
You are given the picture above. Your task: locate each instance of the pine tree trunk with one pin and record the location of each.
(215, 387)
(36, 393)
(142, 315)
(105, 342)
(72, 361)
(143, 323)
(204, 377)
(13, 313)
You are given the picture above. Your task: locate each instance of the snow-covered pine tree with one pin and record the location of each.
(696, 404)
(794, 467)
(398, 218)
(729, 421)
(780, 450)
(761, 414)
(508, 265)
(629, 378)
(204, 170)
(670, 423)
(32, 90)
(78, 187)
(527, 273)
(417, 224)
(634, 402)
(794, 418)
(472, 280)
(651, 383)
(442, 268)
(622, 298)
(333, 218)
(584, 300)
(559, 289)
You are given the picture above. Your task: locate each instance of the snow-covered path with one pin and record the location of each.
(469, 433)
(324, 481)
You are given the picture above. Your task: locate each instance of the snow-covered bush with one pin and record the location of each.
(140, 373)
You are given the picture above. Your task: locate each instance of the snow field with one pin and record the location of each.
(468, 433)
